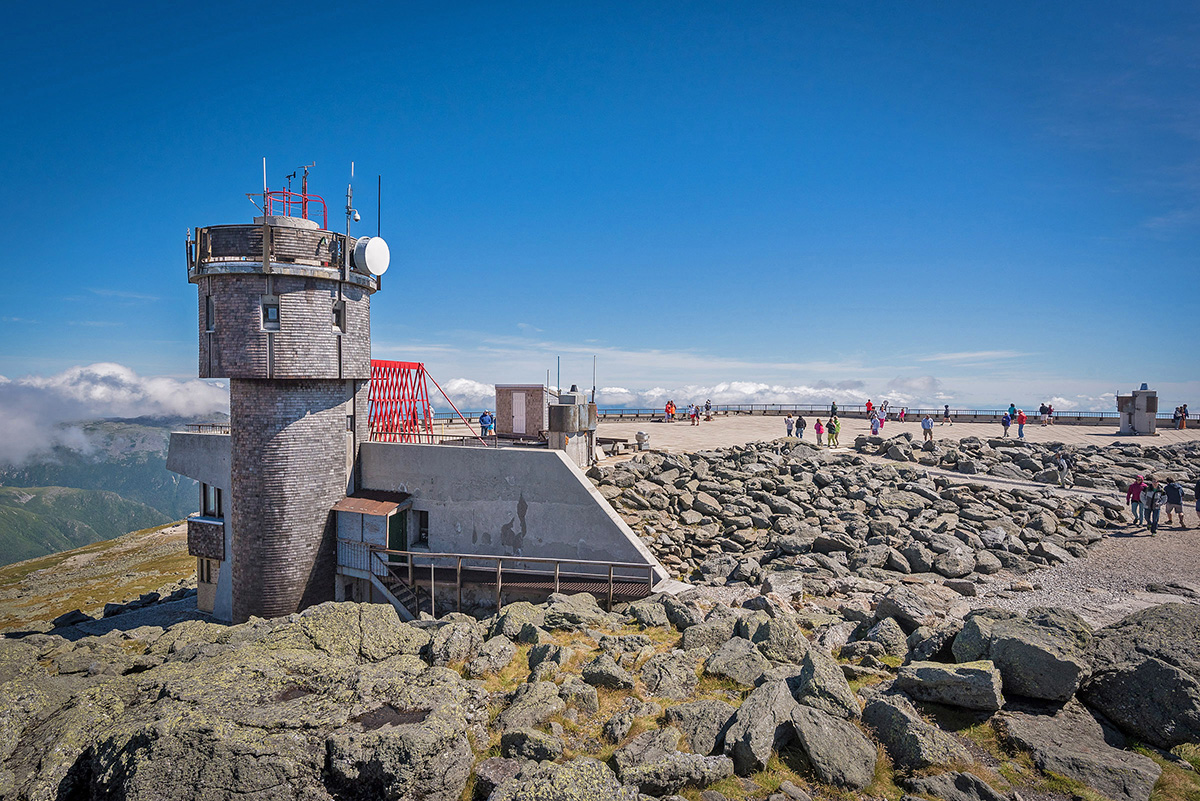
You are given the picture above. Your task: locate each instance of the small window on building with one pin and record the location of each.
(422, 527)
(339, 316)
(270, 313)
(207, 570)
(349, 422)
(211, 501)
(210, 313)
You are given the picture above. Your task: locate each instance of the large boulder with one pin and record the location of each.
(737, 660)
(603, 671)
(494, 655)
(671, 675)
(763, 722)
(581, 779)
(821, 684)
(1073, 742)
(703, 723)
(653, 763)
(532, 705)
(910, 741)
(915, 605)
(1044, 655)
(953, 786)
(458, 641)
(1146, 674)
(971, 685)
(530, 744)
(516, 615)
(835, 750)
(578, 611)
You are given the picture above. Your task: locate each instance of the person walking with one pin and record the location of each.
(1050, 414)
(1021, 423)
(874, 424)
(1042, 411)
(946, 415)
(903, 411)
(1063, 463)
(801, 423)
(708, 410)
(927, 428)
(832, 430)
(1012, 410)
(819, 429)
(788, 422)
(696, 414)
(1153, 498)
(1183, 413)
(1006, 421)
(1175, 419)
(1133, 498)
(833, 409)
(1174, 491)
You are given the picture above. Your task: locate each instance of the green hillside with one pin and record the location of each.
(35, 521)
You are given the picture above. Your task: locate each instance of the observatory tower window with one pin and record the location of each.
(211, 501)
(339, 316)
(422, 527)
(270, 313)
(210, 313)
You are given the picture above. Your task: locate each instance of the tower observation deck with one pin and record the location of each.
(284, 313)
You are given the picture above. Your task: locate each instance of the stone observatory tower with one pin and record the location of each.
(285, 316)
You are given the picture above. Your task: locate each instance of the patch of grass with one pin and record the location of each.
(1190, 752)
(1175, 783)
(719, 689)
(865, 681)
(1054, 783)
(511, 675)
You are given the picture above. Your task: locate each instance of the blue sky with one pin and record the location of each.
(771, 200)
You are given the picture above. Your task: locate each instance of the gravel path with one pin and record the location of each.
(1127, 571)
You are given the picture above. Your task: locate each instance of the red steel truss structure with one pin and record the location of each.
(399, 402)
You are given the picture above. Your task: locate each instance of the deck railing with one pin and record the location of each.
(409, 566)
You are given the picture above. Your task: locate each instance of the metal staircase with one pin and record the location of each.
(410, 600)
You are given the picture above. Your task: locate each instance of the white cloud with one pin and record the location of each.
(34, 409)
(964, 356)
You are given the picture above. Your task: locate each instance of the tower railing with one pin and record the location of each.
(284, 203)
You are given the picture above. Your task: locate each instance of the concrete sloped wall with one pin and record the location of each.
(505, 501)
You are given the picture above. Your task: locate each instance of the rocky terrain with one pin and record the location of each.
(670, 695)
(846, 638)
(788, 517)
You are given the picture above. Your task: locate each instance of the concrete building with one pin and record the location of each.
(522, 410)
(297, 508)
(1139, 411)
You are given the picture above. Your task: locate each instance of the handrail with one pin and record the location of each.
(506, 557)
(288, 199)
(381, 556)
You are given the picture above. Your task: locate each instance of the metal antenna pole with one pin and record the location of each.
(593, 378)
(379, 206)
(559, 379)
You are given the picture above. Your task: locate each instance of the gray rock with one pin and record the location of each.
(763, 723)
(888, 634)
(576, 612)
(919, 605)
(603, 671)
(616, 727)
(738, 660)
(671, 675)
(581, 779)
(778, 639)
(835, 750)
(710, 634)
(1042, 656)
(953, 787)
(494, 655)
(531, 705)
(515, 615)
(954, 564)
(459, 641)
(1146, 676)
(910, 741)
(974, 641)
(649, 614)
(530, 744)
(970, 685)
(579, 695)
(652, 762)
(493, 772)
(1073, 742)
(703, 723)
(681, 613)
(821, 684)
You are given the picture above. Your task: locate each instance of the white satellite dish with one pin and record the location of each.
(371, 255)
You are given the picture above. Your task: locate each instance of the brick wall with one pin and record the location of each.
(206, 538)
(289, 458)
(306, 344)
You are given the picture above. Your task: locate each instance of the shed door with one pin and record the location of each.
(397, 534)
(518, 406)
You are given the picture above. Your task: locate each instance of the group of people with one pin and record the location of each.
(1014, 415)
(1147, 501)
(1180, 417)
(692, 412)
(487, 423)
(1047, 412)
(827, 433)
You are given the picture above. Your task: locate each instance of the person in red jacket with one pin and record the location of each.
(1021, 423)
(1133, 497)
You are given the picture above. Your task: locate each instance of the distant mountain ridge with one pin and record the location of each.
(121, 484)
